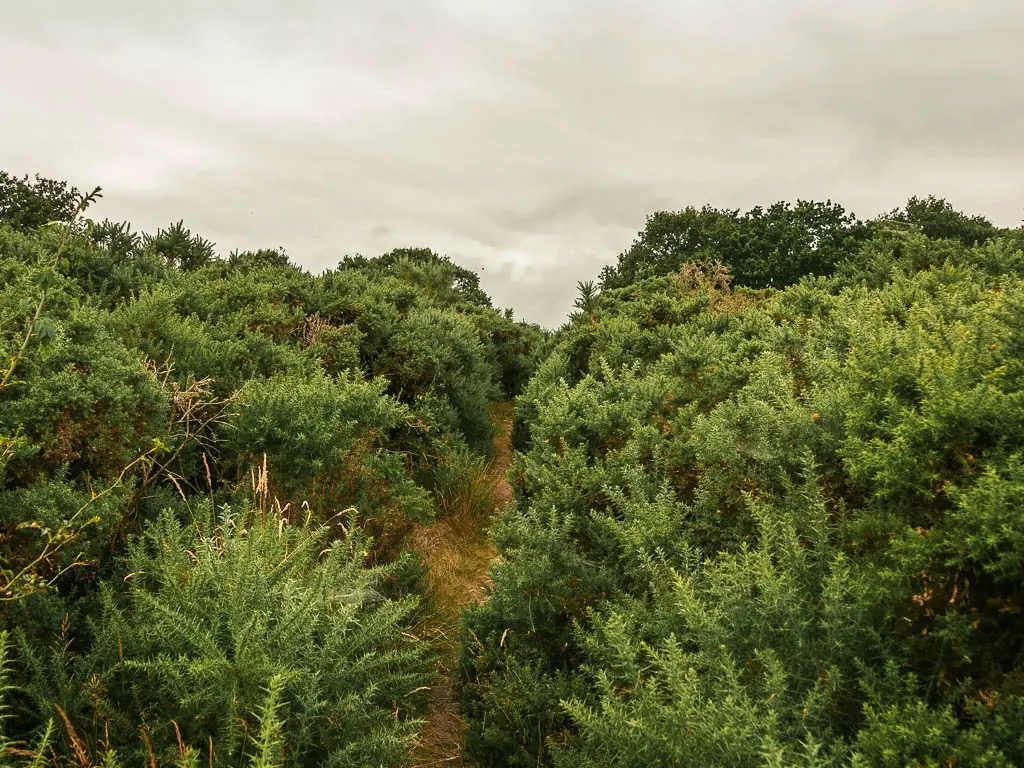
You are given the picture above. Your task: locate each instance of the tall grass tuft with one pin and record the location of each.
(462, 487)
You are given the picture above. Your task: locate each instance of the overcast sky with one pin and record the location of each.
(525, 139)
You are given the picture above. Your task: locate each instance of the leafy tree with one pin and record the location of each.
(762, 247)
(936, 218)
(29, 203)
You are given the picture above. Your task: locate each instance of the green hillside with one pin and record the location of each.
(767, 492)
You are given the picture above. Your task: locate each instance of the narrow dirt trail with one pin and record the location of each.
(458, 553)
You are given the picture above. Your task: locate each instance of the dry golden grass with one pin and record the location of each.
(458, 553)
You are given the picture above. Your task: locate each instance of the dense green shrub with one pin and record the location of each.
(435, 362)
(767, 528)
(215, 612)
(327, 441)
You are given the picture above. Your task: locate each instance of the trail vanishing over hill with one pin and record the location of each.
(458, 553)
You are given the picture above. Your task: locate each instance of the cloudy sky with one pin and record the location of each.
(527, 139)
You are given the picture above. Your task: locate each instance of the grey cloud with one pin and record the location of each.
(526, 139)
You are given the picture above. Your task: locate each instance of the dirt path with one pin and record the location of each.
(458, 553)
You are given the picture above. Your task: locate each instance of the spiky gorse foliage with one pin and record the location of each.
(783, 529)
(231, 622)
(329, 440)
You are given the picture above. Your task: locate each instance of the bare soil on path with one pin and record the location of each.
(458, 553)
